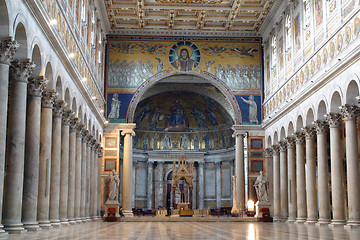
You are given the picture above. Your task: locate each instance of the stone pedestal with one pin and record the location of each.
(111, 211)
(261, 208)
(234, 209)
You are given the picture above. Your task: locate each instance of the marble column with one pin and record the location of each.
(99, 182)
(84, 158)
(58, 109)
(161, 184)
(32, 149)
(7, 51)
(201, 185)
(239, 171)
(300, 177)
(352, 164)
(322, 128)
(127, 185)
(78, 175)
(218, 185)
(311, 189)
(72, 161)
(269, 172)
(337, 183)
(93, 189)
(150, 177)
(15, 151)
(64, 169)
(88, 174)
(276, 179)
(43, 206)
(284, 208)
(291, 166)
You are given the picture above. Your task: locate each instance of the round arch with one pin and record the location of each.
(225, 90)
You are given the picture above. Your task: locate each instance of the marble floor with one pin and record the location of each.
(191, 230)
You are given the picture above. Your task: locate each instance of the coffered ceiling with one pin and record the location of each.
(187, 15)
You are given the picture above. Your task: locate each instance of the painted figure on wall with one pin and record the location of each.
(252, 109)
(318, 12)
(199, 117)
(184, 61)
(184, 142)
(115, 107)
(211, 115)
(156, 116)
(166, 142)
(297, 30)
(145, 142)
(176, 118)
(196, 142)
(154, 142)
(281, 53)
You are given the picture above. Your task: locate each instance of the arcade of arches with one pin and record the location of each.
(79, 98)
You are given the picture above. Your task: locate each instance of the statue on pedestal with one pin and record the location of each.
(261, 187)
(114, 186)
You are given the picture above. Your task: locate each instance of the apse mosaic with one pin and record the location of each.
(133, 60)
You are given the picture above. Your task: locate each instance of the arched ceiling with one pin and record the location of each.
(187, 15)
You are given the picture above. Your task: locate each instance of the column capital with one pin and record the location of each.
(291, 142)
(7, 50)
(93, 142)
(66, 117)
(276, 148)
(201, 164)
(218, 163)
(48, 98)
(20, 70)
(269, 152)
(299, 136)
(36, 86)
(309, 132)
(150, 164)
(282, 145)
(238, 134)
(59, 108)
(321, 127)
(100, 151)
(334, 119)
(349, 111)
(89, 138)
(74, 122)
(84, 133)
(79, 129)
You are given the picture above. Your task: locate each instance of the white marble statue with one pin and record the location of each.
(114, 186)
(252, 109)
(261, 186)
(115, 107)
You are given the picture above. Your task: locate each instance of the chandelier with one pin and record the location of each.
(191, 1)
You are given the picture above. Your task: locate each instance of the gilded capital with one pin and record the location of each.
(36, 86)
(48, 98)
(20, 70)
(7, 50)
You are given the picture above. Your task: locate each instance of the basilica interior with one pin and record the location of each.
(181, 108)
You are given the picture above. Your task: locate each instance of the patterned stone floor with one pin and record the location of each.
(191, 230)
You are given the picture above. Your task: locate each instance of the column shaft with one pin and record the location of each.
(150, 175)
(92, 182)
(43, 207)
(64, 176)
(99, 170)
(276, 178)
(269, 172)
(32, 151)
(300, 177)
(161, 184)
(284, 208)
(88, 173)
(352, 164)
(311, 190)
(323, 172)
(14, 174)
(83, 175)
(291, 178)
(78, 174)
(201, 185)
(8, 48)
(337, 184)
(71, 181)
(127, 184)
(58, 109)
(239, 172)
(218, 185)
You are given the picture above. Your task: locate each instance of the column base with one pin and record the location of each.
(300, 220)
(34, 226)
(323, 222)
(128, 213)
(15, 229)
(93, 218)
(83, 219)
(78, 220)
(337, 223)
(291, 220)
(72, 221)
(45, 225)
(64, 222)
(88, 219)
(311, 220)
(352, 224)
